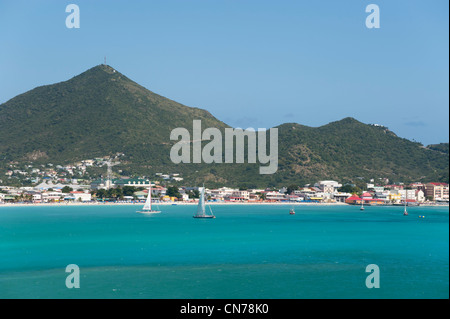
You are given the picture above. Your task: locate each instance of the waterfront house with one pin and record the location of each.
(354, 200)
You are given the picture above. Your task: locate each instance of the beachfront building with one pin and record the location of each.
(222, 193)
(79, 196)
(341, 197)
(294, 198)
(354, 200)
(141, 195)
(253, 197)
(384, 195)
(52, 196)
(6, 198)
(367, 200)
(394, 196)
(366, 196)
(243, 194)
(158, 190)
(407, 194)
(420, 196)
(328, 187)
(374, 201)
(307, 192)
(437, 191)
(275, 196)
(35, 196)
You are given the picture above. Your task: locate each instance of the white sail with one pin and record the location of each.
(148, 202)
(147, 209)
(201, 211)
(201, 202)
(405, 212)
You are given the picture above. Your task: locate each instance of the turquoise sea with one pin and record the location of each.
(248, 251)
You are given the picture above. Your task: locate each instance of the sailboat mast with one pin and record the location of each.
(203, 200)
(150, 195)
(406, 197)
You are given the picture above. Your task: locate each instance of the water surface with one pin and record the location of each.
(248, 251)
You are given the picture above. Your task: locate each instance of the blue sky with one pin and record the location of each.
(250, 63)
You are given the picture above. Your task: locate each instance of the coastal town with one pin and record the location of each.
(71, 184)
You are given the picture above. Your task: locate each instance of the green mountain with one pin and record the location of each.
(101, 112)
(442, 147)
(348, 149)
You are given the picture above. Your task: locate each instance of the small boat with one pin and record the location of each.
(292, 211)
(362, 205)
(147, 209)
(201, 211)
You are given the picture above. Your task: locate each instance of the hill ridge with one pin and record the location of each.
(101, 112)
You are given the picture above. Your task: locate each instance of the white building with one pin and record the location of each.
(80, 196)
(420, 196)
(245, 195)
(341, 197)
(410, 194)
(159, 191)
(221, 193)
(51, 196)
(37, 197)
(275, 196)
(378, 189)
(328, 187)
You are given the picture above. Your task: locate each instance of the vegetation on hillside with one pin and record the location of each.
(101, 112)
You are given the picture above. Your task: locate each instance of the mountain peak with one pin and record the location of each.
(101, 68)
(99, 74)
(348, 120)
(104, 67)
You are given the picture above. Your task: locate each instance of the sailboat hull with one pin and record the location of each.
(205, 216)
(148, 211)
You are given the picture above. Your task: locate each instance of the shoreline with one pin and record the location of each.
(190, 204)
(160, 204)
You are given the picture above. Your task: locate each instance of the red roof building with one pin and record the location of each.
(366, 195)
(353, 200)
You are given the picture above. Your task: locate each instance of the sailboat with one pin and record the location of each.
(362, 205)
(147, 209)
(292, 211)
(405, 212)
(201, 211)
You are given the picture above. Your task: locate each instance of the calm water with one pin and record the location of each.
(246, 252)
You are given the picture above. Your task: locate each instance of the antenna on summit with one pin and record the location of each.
(105, 59)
